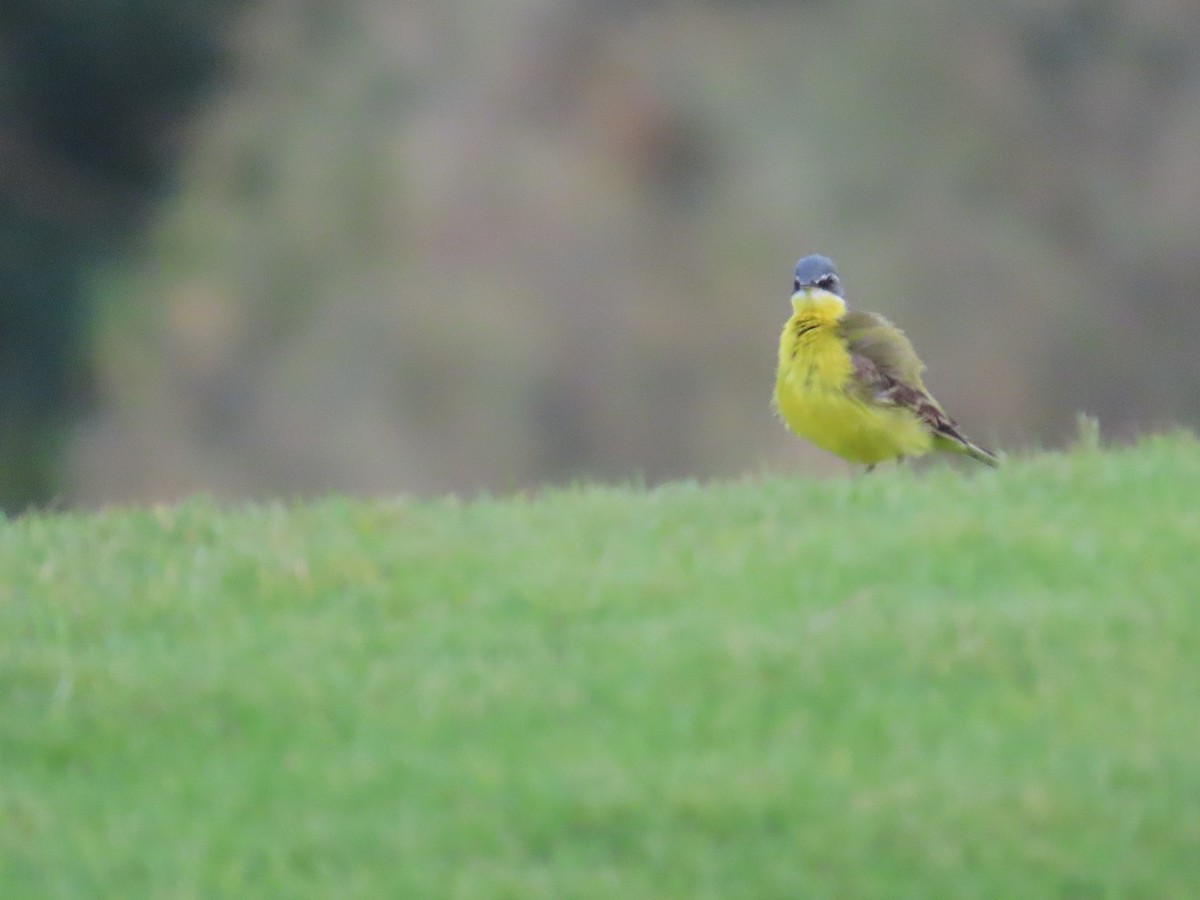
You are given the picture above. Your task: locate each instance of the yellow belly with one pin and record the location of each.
(812, 399)
(851, 429)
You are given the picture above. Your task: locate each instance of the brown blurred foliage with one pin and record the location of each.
(441, 245)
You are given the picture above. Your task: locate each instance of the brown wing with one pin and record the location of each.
(887, 372)
(872, 336)
(877, 386)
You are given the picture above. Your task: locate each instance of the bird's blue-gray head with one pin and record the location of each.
(817, 271)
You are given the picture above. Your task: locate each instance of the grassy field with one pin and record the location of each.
(936, 684)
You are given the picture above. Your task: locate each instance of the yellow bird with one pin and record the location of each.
(850, 381)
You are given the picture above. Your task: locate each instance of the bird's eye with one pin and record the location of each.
(796, 285)
(827, 282)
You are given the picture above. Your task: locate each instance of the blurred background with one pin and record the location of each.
(286, 247)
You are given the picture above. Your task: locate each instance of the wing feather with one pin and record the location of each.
(872, 336)
(888, 371)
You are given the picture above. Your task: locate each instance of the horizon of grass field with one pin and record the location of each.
(929, 683)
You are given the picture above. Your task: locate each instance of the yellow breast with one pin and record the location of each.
(814, 395)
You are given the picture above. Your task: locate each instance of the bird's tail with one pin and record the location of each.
(958, 443)
(987, 457)
(950, 438)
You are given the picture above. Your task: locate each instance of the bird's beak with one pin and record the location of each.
(809, 291)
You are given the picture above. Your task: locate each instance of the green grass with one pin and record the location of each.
(938, 684)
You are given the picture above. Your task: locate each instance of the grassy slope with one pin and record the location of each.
(936, 684)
